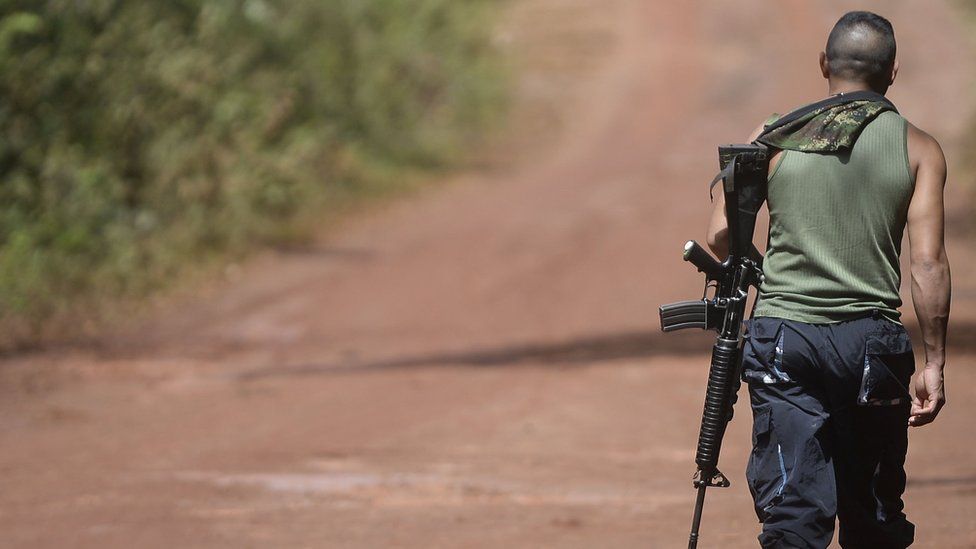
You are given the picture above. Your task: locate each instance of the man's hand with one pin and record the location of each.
(929, 395)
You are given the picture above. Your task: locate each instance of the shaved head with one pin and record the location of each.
(861, 48)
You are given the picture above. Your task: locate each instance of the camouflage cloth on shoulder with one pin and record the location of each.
(828, 129)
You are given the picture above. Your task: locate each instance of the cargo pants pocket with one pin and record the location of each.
(888, 365)
(766, 470)
(763, 353)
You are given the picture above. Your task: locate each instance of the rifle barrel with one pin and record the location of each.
(696, 521)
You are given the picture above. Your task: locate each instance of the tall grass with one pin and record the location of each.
(142, 137)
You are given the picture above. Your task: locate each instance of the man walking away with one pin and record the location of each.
(827, 362)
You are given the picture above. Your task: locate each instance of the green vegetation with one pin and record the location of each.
(142, 137)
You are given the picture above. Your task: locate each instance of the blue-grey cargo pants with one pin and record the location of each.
(830, 407)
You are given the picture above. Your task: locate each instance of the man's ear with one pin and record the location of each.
(824, 66)
(894, 72)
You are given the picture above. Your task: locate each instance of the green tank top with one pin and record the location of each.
(835, 231)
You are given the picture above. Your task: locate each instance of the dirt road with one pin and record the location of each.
(480, 365)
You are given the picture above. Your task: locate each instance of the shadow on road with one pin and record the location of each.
(622, 346)
(961, 483)
(578, 352)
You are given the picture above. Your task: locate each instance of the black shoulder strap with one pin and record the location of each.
(833, 100)
(726, 172)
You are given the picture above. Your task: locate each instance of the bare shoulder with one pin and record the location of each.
(921, 140)
(774, 158)
(924, 151)
(755, 133)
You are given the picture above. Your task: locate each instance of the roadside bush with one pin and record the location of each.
(141, 137)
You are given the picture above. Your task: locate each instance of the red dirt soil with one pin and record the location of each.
(480, 365)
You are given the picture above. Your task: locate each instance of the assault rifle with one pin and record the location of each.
(743, 174)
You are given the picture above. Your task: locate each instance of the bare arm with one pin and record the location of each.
(931, 288)
(718, 229)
